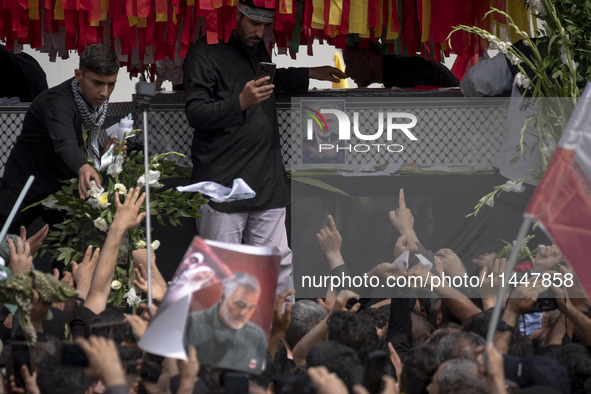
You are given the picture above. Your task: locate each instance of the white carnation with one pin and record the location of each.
(131, 297)
(116, 285)
(94, 190)
(155, 245)
(120, 187)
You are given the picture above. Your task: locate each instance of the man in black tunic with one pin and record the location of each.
(237, 133)
(60, 133)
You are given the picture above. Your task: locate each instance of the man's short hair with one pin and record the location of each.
(240, 279)
(99, 59)
(460, 376)
(459, 344)
(305, 315)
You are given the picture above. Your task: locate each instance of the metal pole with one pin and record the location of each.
(148, 217)
(15, 207)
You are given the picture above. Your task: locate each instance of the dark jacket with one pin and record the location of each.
(50, 147)
(229, 143)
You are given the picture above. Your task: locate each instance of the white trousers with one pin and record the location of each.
(259, 228)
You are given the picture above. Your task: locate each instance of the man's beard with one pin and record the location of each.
(250, 49)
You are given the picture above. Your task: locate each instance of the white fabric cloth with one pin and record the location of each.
(490, 77)
(219, 193)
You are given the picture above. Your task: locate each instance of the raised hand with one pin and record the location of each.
(485, 260)
(402, 219)
(329, 237)
(21, 259)
(447, 261)
(82, 273)
(547, 258)
(490, 283)
(103, 360)
(36, 240)
(403, 243)
(127, 216)
(141, 282)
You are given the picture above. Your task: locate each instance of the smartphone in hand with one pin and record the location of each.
(265, 69)
(118, 332)
(71, 354)
(20, 357)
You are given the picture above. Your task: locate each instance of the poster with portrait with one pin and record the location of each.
(220, 300)
(321, 146)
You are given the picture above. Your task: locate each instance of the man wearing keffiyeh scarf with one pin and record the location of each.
(59, 138)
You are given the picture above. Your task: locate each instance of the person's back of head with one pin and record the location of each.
(377, 316)
(52, 377)
(459, 376)
(305, 315)
(354, 331)
(576, 358)
(337, 358)
(419, 365)
(459, 345)
(421, 328)
(99, 59)
(439, 334)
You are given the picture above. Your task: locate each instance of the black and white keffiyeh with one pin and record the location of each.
(92, 117)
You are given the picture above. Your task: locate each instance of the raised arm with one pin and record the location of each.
(402, 219)
(126, 218)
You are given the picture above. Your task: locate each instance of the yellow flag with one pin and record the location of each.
(338, 63)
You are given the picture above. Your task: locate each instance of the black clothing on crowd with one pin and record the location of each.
(411, 71)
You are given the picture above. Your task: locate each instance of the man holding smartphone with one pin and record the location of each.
(237, 133)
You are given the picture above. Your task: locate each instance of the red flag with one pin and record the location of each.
(562, 201)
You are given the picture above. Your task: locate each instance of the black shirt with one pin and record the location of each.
(410, 71)
(229, 143)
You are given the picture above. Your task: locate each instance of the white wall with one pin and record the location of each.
(63, 69)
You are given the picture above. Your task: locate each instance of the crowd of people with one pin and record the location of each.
(419, 339)
(425, 336)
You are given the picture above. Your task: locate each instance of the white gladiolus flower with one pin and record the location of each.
(131, 297)
(521, 80)
(490, 201)
(101, 224)
(511, 186)
(502, 47)
(153, 176)
(549, 147)
(51, 203)
(116, 166)
(116, 285)
(119, 187)
(155, 245)
(140, 244)
(514, 59)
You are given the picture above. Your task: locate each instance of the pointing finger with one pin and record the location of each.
(401, 202)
